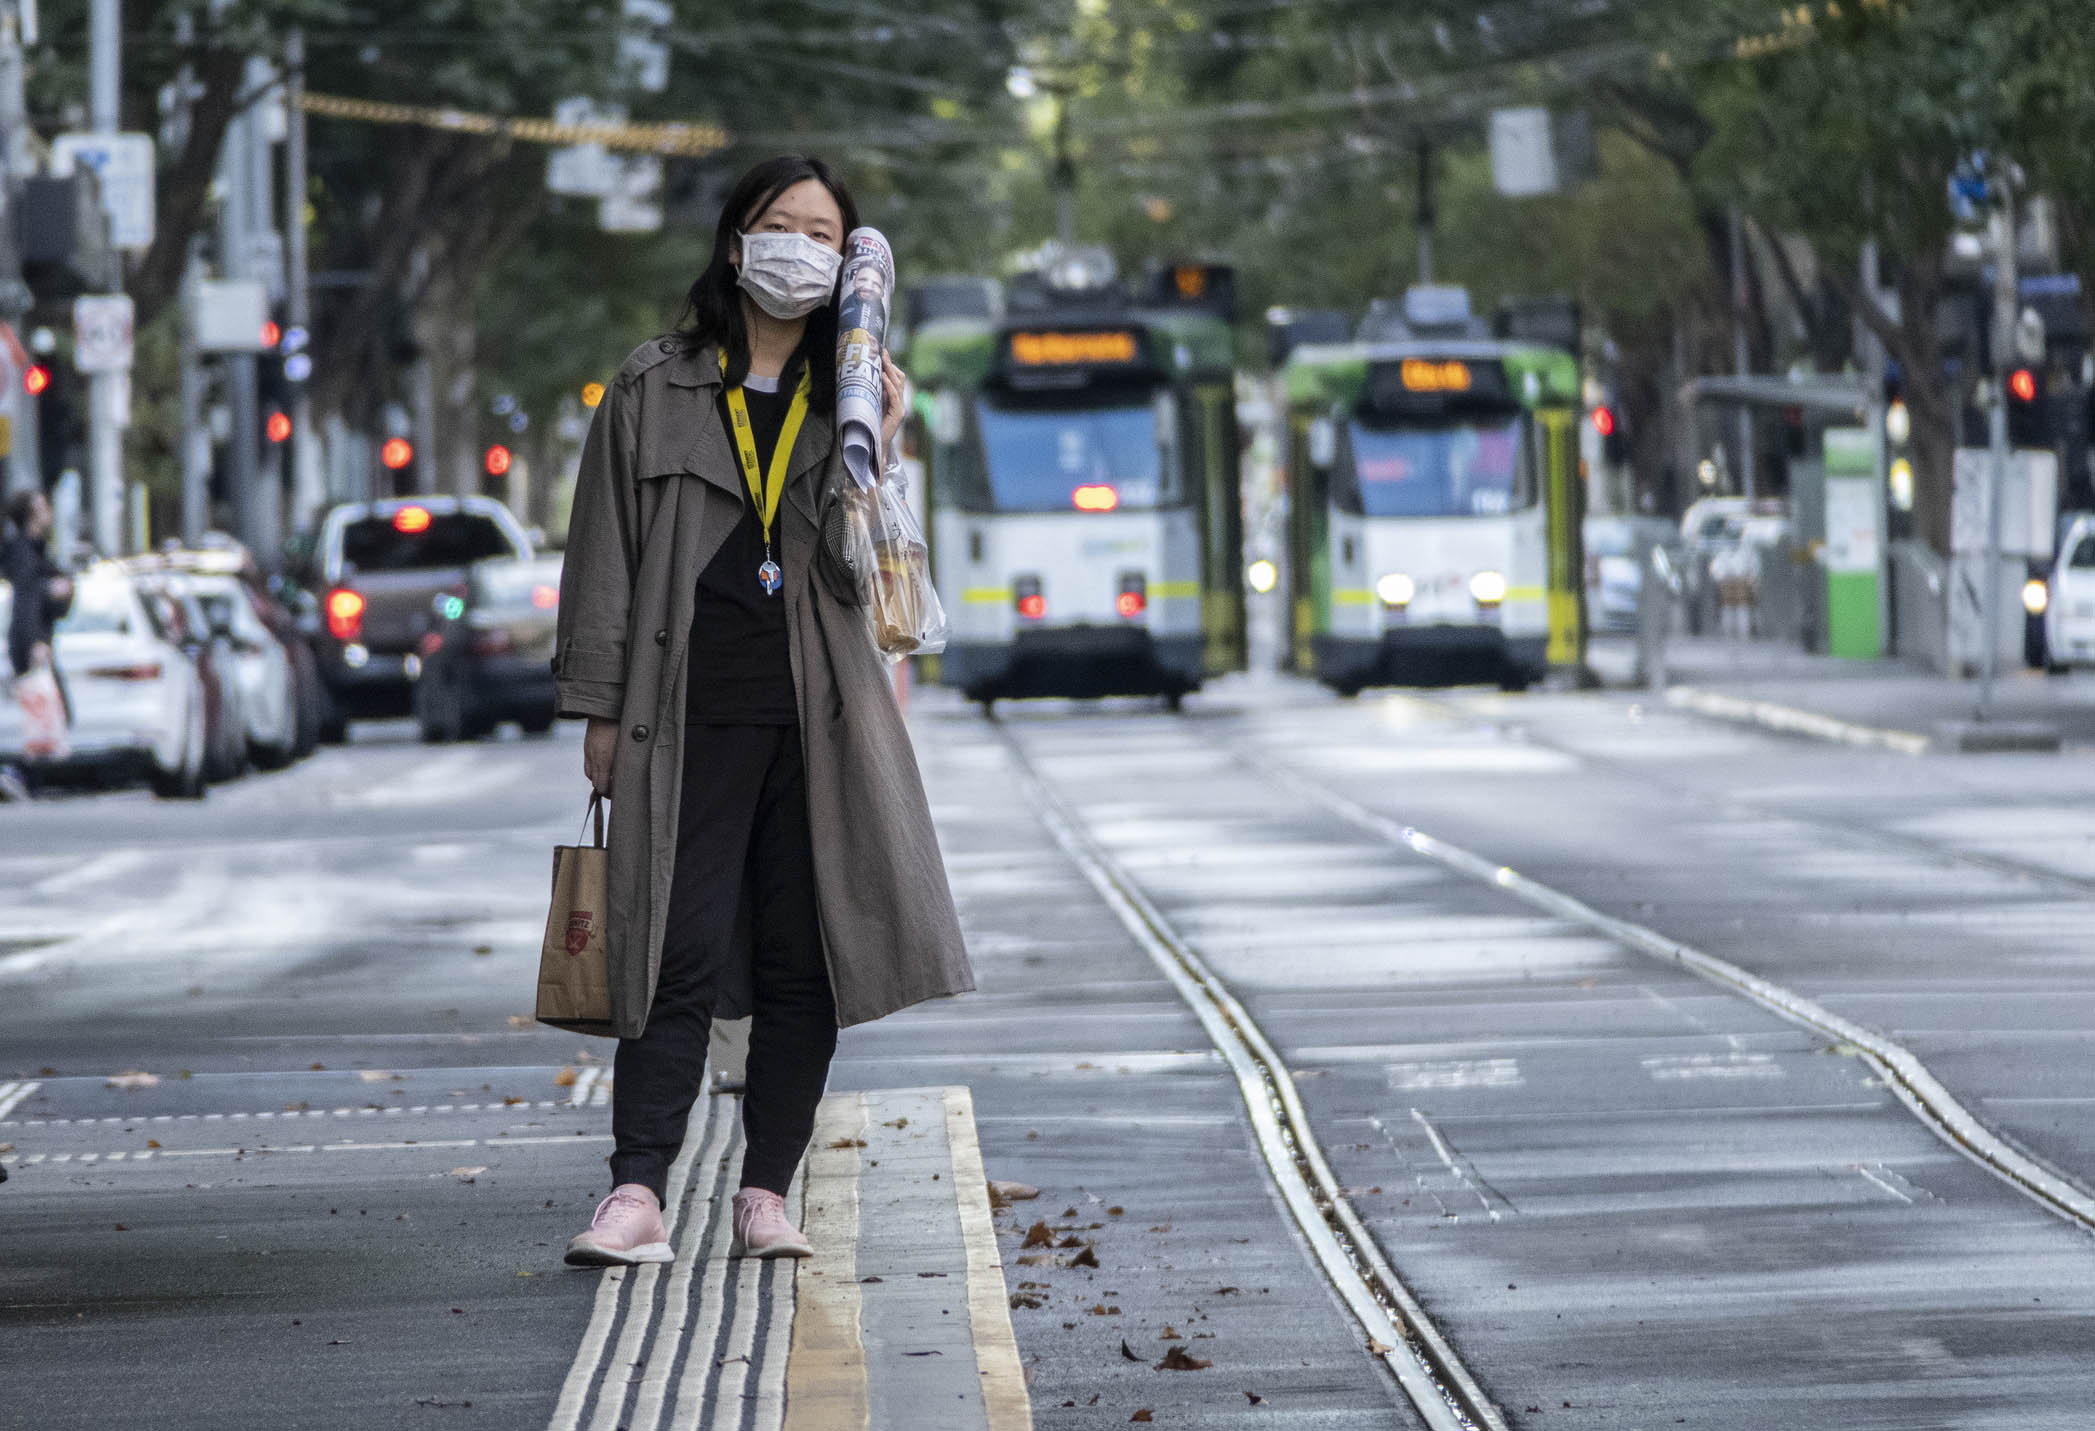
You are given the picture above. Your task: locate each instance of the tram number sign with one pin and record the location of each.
(1415, 383)
(1423, 375)
(1059, 350)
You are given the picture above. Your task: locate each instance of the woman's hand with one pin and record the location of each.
(891, 391)
(599, 748)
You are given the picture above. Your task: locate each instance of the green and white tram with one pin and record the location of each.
(1434, 503)
(1086, 531)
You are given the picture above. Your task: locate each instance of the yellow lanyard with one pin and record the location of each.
(765, 491)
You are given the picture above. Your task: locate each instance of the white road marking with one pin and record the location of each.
(11, 1095)
(578, 1093)
(1871, 1177)
(1675, 1066)
(1478, 1073)
(102, 867)
(676, 1297)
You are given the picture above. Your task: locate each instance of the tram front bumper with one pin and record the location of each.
(1429, 656)
(1076, 661)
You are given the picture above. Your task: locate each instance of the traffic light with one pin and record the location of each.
(498, 460)
(2028, 422)
(277, 427)
(396, 453)
(36, 379)
(1614, 443)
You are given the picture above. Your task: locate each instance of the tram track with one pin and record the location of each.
(1398, 1332)
(1930, 1101)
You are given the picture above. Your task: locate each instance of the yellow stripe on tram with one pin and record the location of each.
(1167, 590)
(1353, 596)
(986, 596)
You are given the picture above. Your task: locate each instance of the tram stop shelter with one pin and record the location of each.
(1841, 600)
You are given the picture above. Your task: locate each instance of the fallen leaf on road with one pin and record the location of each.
(133, 1079)
(483, 948)
(1002, 1192)
(565, 1078)
(317, 1067)
(512, 1101)
(1254, 1398)
(121, 1228)
(1086, 1258)
(1071, 1241)
(896, 1123)
(1142, 1415)
(1102, 1310)
(1169, 1334)
(1128, 1352)
(152, 1142)
(339, 1342)
(1115, 1211)
(849, 1143)
(1161, 1227)
(1032, 1301)
(1039, 1235)
(1035, 1259)
(1376, 1348)
(1177, 1359)
(1228, 1292)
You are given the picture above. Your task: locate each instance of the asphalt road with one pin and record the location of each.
(1628, 1198)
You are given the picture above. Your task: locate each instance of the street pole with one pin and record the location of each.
(24, 472)
(2004, 305)
(308, 483)
(105, 437)
(1426, 216)
(1741, 301)
(196, 443)
(1065, 175)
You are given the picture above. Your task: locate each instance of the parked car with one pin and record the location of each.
(183, 620)
(137, 701)
(488, 658)
(381, 566)
(276, 606)
(2069, 607)
(1615, 561)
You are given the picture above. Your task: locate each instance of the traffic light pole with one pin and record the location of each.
(308, 484)
(2004, 306)
(105, 435)
(24, 469)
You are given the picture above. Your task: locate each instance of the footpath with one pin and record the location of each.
(1886, 704)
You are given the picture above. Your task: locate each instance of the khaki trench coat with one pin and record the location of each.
(658, 492)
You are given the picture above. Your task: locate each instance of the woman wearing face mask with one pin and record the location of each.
(771, 852)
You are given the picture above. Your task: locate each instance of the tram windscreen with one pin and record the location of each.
(1039, 457)
(1463, 469)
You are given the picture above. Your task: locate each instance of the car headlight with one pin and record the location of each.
(1488, 588)
(2035, 597)
(1395, 589)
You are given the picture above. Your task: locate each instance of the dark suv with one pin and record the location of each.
(383, 569)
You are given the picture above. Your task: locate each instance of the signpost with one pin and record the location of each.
(124, 165)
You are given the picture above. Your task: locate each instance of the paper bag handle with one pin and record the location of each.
(596, 810)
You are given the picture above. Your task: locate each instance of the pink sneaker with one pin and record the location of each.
(627, 1228)
(762, 1229)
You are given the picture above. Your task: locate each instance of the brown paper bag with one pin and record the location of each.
(574, 968)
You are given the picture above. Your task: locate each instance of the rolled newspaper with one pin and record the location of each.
(862, 313)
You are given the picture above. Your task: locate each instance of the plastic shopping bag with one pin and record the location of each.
(907, 617)
(43, 714)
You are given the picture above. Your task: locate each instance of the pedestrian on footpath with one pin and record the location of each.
(42, 593)
(771, 851)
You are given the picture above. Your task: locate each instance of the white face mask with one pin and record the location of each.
(789, 275)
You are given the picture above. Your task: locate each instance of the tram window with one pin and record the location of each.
(1037, 457)
(1457, 470)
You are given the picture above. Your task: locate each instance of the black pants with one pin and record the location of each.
(742, 849)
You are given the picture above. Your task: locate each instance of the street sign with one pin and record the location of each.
(102, 333)
(584, 171)
(634, 205)
(123, 164)
(229, 315)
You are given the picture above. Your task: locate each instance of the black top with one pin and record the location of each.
(33, 615)
(738, 664)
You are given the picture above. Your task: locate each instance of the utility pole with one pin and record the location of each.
(308, 481)
(23, 466)
(1741, 304)
(1065, 174)
(196, 442)
(105, 436)
(2005, 303)
(1426, 216)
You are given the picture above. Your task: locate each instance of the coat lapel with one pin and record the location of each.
(696, 440)
(810, 450)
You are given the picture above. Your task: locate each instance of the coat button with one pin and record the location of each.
(669, 345)
(640, 732)
(662, 638)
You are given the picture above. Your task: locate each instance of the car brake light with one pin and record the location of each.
(345, 614)
(410, 520)
(143, 671)
(1031, 604)
(1134, 594)
(1097, 497)
(431, 643)
(545, 598)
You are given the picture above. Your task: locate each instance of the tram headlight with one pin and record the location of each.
(2035, 597)
(1487, 588)
(1396, 589)
(1262, 576)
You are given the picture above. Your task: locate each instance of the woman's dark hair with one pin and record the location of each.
(22, 504)
(713, 308)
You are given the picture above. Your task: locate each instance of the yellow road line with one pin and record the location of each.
(1004, 1398)
(826, 1374)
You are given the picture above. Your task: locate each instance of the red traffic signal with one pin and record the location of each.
(271, 333)
(1604, 421)
(498, 460)
(36, 379)
(2023, 384)
(396, 453)
(277, 428)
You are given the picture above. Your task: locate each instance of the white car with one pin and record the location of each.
(2069, 607)
(136, 700)
(268, 683)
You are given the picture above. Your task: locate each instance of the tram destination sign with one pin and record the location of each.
(1425, 382)
(1065, 348)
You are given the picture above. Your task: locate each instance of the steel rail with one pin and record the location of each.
(1400, 1334)
(1937, 1108)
